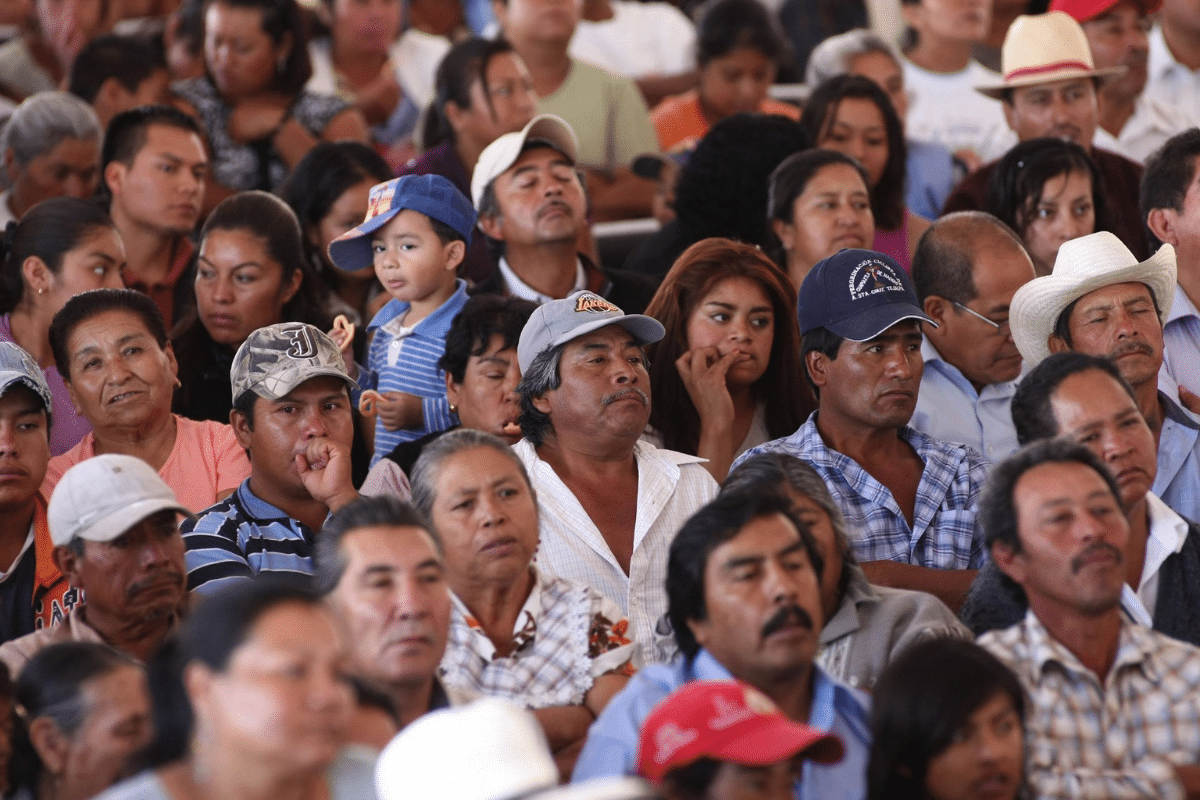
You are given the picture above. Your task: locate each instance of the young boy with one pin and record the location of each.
(415, 235)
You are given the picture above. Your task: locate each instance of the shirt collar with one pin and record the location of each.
(524, 629)
(436, 324)
(519, 288)
(1133, 649)
(1182, 306)
(1166, 527)
(1161, 62)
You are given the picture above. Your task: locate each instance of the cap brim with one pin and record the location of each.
(316, 372)
(781, 740)
(645, 329)
(121, 520)
(352, 250)
(998, 90)
(874, 321)
(9, 378)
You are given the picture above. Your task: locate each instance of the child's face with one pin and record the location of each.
(411, 261)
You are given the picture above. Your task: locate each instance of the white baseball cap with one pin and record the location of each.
(504, 152)
(103, 497)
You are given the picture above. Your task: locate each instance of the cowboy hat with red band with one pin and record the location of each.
(1043, 48)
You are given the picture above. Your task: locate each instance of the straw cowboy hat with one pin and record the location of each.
(1041, 48)
(1083, 266)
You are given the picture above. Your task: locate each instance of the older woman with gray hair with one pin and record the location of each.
(930, 170)
(556, 647)
(51, 147)
(865, 625)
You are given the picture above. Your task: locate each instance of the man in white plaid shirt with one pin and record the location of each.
(1114, 708)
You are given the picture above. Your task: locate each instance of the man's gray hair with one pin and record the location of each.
(833, 56)
(541, 377)
(43, 121)
(426, 471)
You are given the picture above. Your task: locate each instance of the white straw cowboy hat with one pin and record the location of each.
(1083, 266)
(1041, 48)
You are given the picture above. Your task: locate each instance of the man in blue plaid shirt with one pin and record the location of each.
(909, 500)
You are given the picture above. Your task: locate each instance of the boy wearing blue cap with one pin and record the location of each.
(415, 235)
(910, 499)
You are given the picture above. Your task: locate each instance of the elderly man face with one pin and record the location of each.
(1119, 322)
(1073, 535)
(1120, 37)
(1065, 109)
(137, 577)
(392, 603)
(540, 200)
(605, 389)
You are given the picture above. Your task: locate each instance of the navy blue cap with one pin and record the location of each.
(857, 294)
(432, 195)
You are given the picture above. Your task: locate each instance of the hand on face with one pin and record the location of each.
(324, 468)
(703, 372)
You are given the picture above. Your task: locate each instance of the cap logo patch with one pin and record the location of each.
(302, 344)
(593, 303)
(728, 714)
(381, 201)
(670, 739)
(871, 277)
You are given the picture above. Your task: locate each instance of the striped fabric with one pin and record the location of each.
(243, 536)
(1117, 738)
(943, 534)
(415, 369)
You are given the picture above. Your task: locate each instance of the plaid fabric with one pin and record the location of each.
(943, 534)
(1117, 739)
(565, 636)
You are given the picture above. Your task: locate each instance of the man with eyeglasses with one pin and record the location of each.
(967, 268)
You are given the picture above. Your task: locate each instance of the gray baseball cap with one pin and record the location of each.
(276, 359)
(103, 497)
(17, 366)
(561, 321)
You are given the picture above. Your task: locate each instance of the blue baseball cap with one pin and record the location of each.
(432, 195)
(857, 294)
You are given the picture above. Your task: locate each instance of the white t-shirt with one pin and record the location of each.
(641, 39)
(1170, 83)
(944, 108)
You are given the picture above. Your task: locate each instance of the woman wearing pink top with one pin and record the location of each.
(112, 351)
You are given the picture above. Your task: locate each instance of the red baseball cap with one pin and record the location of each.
(725, 721)
(1083, 10)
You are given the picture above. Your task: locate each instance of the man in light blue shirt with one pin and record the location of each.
(744, 602)
(966, 270)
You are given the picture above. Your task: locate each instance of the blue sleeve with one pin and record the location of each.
(612, 741)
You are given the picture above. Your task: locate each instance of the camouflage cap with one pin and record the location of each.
(17, 366)
(276, 359)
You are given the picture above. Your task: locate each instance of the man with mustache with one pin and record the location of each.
(966, 269)
(382, 576)
(1049, 89)
(1114, 707)
(1131, 122)
(1100, 300)
(609, 504)
(1084, 398)
(909, 498)
(292, 415)
(743, 584)
(115, 528)
(533, 211)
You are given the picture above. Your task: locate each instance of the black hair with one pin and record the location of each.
(923, 699)
(52, 685)
(93, 303)
(820, 110)
(790, 179)
(997, 514)
(482, 317)
(326, 172)
(329, 563)
(943, 265)
(1016, 184)
(129, 60)
(1032, 412)
(735, 159)
(281, 19)
(818, 340)
(126, 132)
(1168, 174)
(691, 781)
(706, 530)
(244, 405)
(541, 376)
(49, 230)
(465, 63)
(723, 26)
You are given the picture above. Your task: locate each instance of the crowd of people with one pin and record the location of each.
(600, 399)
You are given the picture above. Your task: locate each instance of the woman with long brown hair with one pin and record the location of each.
(727, 375)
